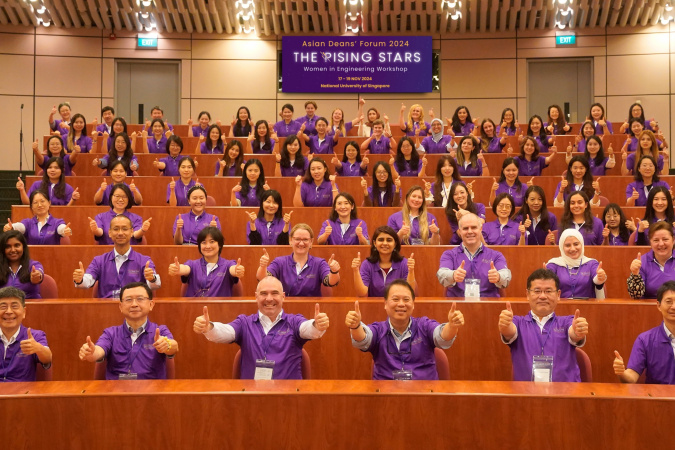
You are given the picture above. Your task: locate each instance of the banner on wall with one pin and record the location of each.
(356, 64)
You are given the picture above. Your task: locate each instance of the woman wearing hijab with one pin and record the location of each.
(437, 142)
(580, 276)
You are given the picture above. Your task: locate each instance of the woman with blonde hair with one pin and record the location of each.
(413, 224)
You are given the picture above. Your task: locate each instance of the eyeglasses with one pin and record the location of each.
(139, 300)
(547, 292)
(13, 306)
(500, 206)
(304, 241)
(120, 197)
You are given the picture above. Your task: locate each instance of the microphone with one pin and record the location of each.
(22, 106)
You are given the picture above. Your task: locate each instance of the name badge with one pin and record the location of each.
(115, 293)
(403, 375)
(263, 369)
(128, 376)
(471, 288)
(416, 241)
(542, 368)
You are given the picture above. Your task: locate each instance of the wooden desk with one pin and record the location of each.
(477, 354)
(328, 414)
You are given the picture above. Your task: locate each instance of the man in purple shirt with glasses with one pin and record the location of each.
(271, 340)
(653, 350)
(138, 348)
(22, 348)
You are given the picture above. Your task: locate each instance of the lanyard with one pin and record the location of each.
(400, 353)
(543, 344)
(135, 348)
(206, 279)
(574, 277)
(264, 337)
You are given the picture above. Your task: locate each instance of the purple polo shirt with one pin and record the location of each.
(556, 344)
(141, 358)
(510, 131)
(166, 125)
(470, 171)
(395, 221)
(56, 127)
(319, 146)
(308, 283)
(228, 171)
(105, 199)
(598, 170)
(251, 198)
(16, 365)
(262, 148)
(310, 124)
(616, 240)
(476, 268)
(406, 170)
(543, 143)
(102, 128)
(268, 234)
(282, 344)
(556, 130)
(576, 282)
(537, 236)
(155, 146)
(653, 276)
(632, 147)
(313, 195)
(50, 191)
(640, 187)
(431, 146)
(379, 147)
(517, 194)
(465, 129)
(410, 131)
(103, 222)
(495, 145)
(197, 131)
(630, 163)
(218, 283)
(293, 171)
(171, 169)
(102, 269)
(331, 130)
(204, 150)
(592, 237)
(351, 170)
(599, 130)
(372, 275)
(581, 146)
(83, 141)
(48, 235)
(193, 224)
(653, 352)
(31, 290)
(349, 237)
(283, 130)
(104, 164)
(454, 237)
(416, 353)
(181, 191)
(531, 168)
(67, 165)
(566, 194)
(495, 234)
(388, 197)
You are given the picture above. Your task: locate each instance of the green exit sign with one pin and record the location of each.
(565, 39)
(146, 42)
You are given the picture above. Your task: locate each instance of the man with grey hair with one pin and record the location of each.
(471, 269)
(22, 348)
(271, 340)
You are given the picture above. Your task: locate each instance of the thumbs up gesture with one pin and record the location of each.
(356, 262)
(506, 319)
(203, 323)
(643, 225)
(569, 149)
(174, 269)
(600, 273)
(509, 150)
(619, 367)
(287, 217)
(298, 181)
(179, 222)
(29, 345)
(328, 230)
(531, 182)
(433, 228)
(87, 351)
(596, 184)
(455, 317)
(333, 264)
(563, 183)
(146, 225)
(78, 274)
(161, 343)
(19, 185)
(320, 319)
(550, 237)
(579, 326)
(149, 272)
(495, 185)
(635, 195)
(364, 183)
(460, 273)
(365, 161)
(9, 225)
(605, 231)
(172, 184)
(35, 275)
(335, 160)
(265, 259)
(359, 229)
(67, 231)
(353, 319)
(522, 229)
(610, 151)
(636, 265)
(493, 275)
(155, 163)
(239, 270)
